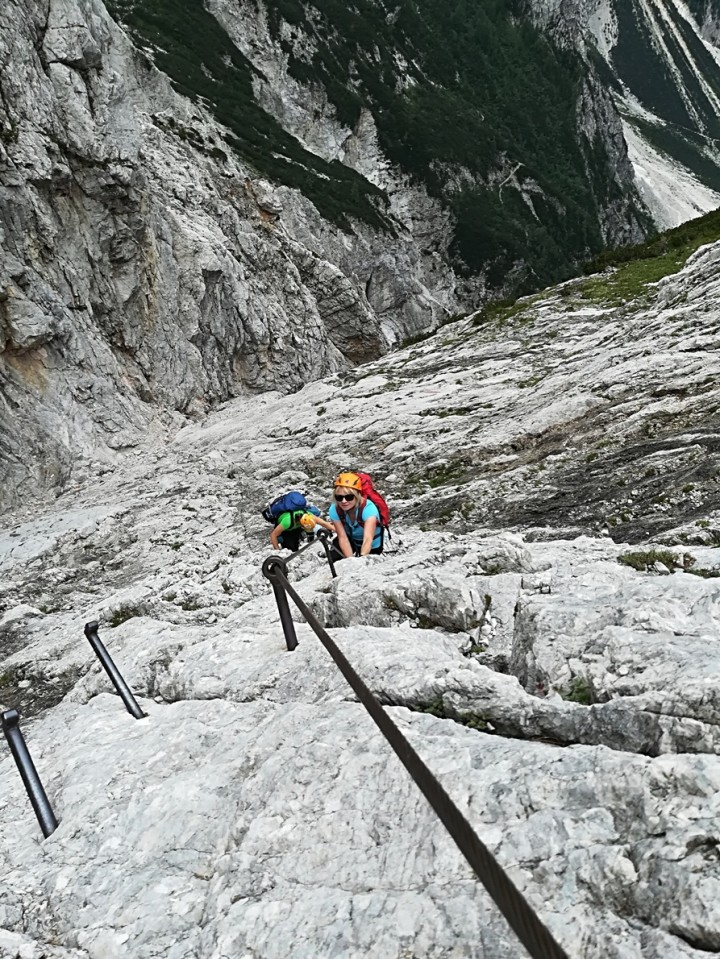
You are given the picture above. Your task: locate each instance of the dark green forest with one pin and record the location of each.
(460, 91)
(193, 49)
(651, 78)
(689, 125)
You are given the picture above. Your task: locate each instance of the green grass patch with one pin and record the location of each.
(416, 338)
(645, 263)
(475, 649)
(642, 560)
(500, 311)
(436, 707)
(531, 381)
(189, 605)
(446, 474)
(580, 691)
(122, 615)
(455, 411)
(706, 573)
(630, 281)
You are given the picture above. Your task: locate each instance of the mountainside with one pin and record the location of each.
(146, 272)
(219, 204)
(660, 63)
(520, 133)
(227, 197)
(513, 136)
(544, 628)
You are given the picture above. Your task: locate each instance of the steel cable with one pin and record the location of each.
(524, 922)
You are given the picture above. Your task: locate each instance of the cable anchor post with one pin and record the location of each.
(324, 536)
(91, 632)
(272, 565)
(28, 772)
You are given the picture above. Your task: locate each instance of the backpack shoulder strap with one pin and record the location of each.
(363, 504)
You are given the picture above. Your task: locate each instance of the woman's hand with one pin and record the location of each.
(343, 541)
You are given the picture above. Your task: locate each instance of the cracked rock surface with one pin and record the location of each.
(565, 699)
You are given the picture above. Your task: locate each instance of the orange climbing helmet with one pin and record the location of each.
(349, 480)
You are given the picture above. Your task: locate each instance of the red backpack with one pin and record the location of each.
(369, 492)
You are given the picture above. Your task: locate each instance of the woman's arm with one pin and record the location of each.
(275, 536)
(323, 522)
(343, 541)
(368, 535)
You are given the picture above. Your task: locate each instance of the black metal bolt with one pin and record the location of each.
(271, 564)
(91, 631)
(28, 773)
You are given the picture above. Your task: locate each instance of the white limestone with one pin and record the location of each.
(566, 701)
(671, 194)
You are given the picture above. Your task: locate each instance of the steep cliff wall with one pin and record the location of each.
(143, 269)
(284, 200)
(660, 67)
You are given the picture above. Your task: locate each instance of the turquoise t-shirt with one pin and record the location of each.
(354, 529)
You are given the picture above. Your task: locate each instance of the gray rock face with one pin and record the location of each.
(565, 699)
(144, 273)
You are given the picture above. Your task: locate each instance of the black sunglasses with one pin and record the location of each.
(344, 499)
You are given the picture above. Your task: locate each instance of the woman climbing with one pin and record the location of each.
(356, 520)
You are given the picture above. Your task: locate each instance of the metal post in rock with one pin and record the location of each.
(268, 568)
(28, 773)
(323, 536)
(91, 631)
